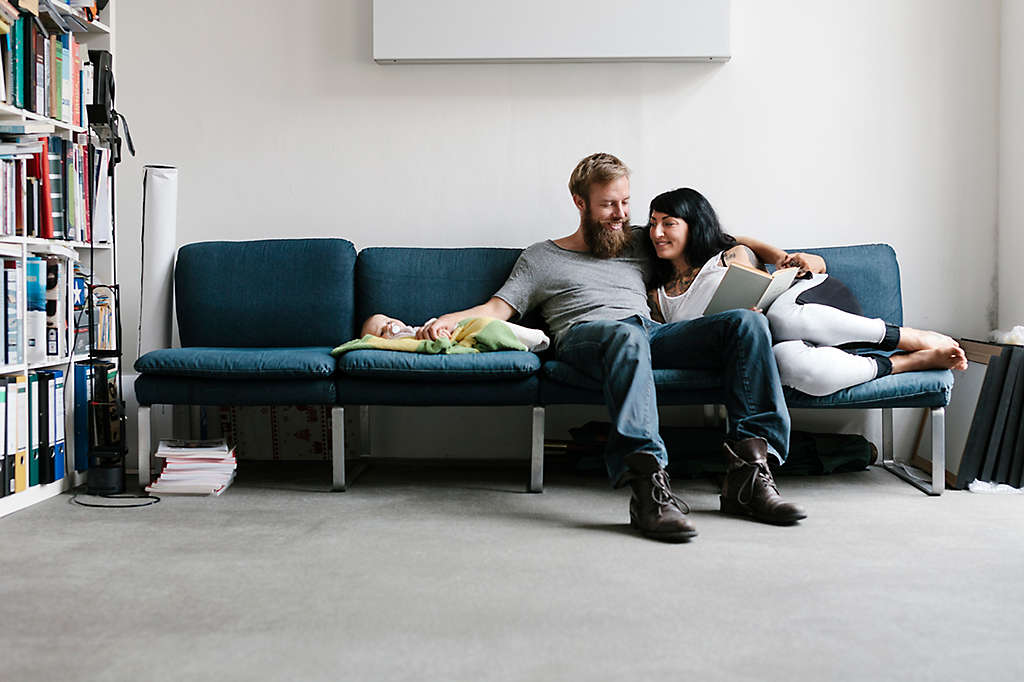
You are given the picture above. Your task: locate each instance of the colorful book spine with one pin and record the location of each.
(59, 453)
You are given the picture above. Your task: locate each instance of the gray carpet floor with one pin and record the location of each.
(454, 573)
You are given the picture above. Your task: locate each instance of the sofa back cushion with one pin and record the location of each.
(872, 273)
(416, 284)
(265, 294)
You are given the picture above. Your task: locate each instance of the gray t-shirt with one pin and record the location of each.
(570, 286)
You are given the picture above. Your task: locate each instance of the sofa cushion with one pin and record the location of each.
(415, 284)
(152, 389)
(407, 391)
(238, 363)
(929, 388)
(872, 273)
(265, 294)
(414, 367)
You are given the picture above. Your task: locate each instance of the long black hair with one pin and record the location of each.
(704, 236)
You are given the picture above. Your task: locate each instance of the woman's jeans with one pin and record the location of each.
(621, 355)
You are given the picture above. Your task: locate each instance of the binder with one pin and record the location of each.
(11, 432)
(21, 433)
(33, 429)
(83, 394)
(45, 444)
(58, 415)
(6, 463)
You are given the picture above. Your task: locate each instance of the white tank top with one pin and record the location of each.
(691, 303)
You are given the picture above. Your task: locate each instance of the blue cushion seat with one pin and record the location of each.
(153, 389)
(930, 388)
(239, 363)
(416, 367)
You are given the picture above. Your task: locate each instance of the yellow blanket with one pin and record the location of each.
(472, 335)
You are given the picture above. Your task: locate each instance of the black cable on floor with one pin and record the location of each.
(153, 499)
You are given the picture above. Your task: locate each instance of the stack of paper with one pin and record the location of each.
(198, 467)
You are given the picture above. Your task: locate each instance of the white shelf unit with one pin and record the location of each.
(99, 260)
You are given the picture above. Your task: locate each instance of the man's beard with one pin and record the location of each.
(605, 242)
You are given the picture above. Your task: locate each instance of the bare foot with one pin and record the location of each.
(951, 357)
(917, 339)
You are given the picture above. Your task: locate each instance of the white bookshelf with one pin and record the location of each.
(99, 259)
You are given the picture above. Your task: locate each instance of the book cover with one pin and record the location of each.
(42, 41)
(21, 435)
(18, 67)
(64, 46)
(1002, 409)
(28, 83)
(33, 429)
(83, 395)
(53, 77)
(981, 424)
(76, 82)
(58, 414)
(43, 415)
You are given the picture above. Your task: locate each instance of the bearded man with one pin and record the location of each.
(590, 287)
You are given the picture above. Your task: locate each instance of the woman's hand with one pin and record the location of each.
(434, 329)
(807, 262)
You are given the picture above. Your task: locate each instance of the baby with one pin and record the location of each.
(392, 328)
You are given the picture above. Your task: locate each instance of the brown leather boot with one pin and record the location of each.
(749, 488)
(653, 509)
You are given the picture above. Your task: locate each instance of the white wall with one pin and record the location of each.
(835, 122)
(1011, 166)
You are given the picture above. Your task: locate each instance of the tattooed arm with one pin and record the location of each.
(741, 254)
(773, 255)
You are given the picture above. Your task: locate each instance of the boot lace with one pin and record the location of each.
(663, 495)
(758, 471)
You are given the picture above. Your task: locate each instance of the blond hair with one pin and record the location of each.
(596, 169)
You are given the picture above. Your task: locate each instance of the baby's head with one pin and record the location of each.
(381, 325)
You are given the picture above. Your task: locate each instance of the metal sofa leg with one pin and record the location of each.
(938, 482)
(144, 429)
(337, 449)
(364, 430)
(537, 452)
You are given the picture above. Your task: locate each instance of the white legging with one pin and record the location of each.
(820, 369)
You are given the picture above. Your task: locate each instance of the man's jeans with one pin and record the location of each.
(622, 355)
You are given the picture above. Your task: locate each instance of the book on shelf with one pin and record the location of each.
(747, 287)
(6, 460)
(14, 323)
(35, 309)
(42, 417)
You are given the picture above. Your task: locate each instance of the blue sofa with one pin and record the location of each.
(257, 321)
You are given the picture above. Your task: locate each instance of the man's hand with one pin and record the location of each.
(807, 262)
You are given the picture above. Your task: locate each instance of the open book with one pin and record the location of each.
(746, 287)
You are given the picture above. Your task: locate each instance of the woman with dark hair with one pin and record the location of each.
(816, 314)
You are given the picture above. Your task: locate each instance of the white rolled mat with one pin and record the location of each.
(159, 236)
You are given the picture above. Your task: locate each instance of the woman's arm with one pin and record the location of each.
(773, 255)
(655, 305)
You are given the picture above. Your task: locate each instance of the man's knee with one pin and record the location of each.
(748, 323)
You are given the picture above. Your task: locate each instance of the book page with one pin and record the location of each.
(781, 280)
